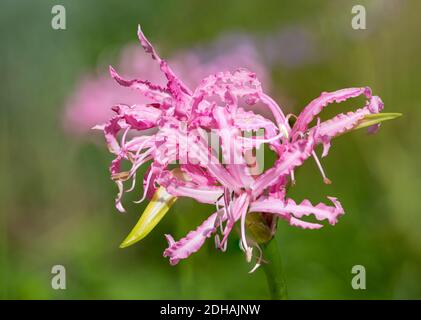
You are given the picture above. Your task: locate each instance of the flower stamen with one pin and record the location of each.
(326, 180)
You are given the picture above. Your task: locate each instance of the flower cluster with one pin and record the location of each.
(179, 121)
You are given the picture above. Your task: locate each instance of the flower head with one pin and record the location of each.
(183, 121)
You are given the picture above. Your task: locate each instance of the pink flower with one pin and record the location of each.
(183, 121)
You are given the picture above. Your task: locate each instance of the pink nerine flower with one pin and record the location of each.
(184, 120)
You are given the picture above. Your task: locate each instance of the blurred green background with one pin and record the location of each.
(57, 201)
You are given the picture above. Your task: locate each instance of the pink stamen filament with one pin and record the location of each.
(247, 249)
(259, 259)
(145, 191)
(123, 138)
(292, 174)
(325, 179)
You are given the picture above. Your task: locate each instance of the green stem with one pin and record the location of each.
(273, 270)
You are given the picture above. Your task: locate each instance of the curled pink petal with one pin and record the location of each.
(192, 242)
(303, 224)
(305, 208)
(344, 122)
(138, 117)
(172, 78)
(317, 105)
(248, 121)
(202, 194)
(198, 174)
(293, 156)
(146, 88)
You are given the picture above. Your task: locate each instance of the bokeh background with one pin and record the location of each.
(56, 198)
